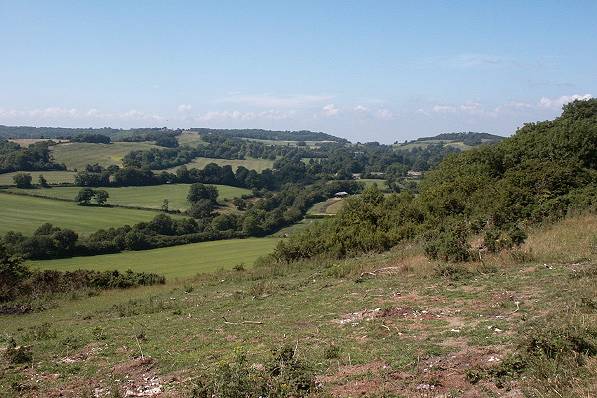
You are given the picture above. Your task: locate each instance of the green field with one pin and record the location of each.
(77, 155)
(381, 184)
(25, 214)
(189, 138)
(147, 196)
(53, 177)
(328, 207)
(176, 261)
(251, 164)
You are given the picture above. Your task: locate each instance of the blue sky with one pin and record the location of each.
(365, 70)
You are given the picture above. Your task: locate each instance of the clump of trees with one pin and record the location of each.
(22, 180)
(85, 195)
(92, 138)
(35, 157)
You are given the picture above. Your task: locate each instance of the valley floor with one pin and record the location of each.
(392, 324)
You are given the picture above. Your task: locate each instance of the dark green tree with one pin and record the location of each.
(22, 180)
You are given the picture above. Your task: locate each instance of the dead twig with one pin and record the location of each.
(379, 270)
(242, 323)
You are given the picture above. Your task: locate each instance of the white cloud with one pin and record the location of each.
(184, 108)
(239, 115)
(330, 110)
(361, 109)
(275, 101)
(557, 103)
(384, 114)
(60, 114)
(469, 107)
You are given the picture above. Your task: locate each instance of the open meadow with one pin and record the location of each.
(143, 196)
(176, 261)
(25, 214)
(76, 155)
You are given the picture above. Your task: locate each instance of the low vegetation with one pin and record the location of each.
(381, 325)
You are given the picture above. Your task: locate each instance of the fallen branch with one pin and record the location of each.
(374, 273)
(242, 323)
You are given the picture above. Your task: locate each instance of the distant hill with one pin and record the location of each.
(64, 132)
(460, 140)
(131, 134)
(274, 135)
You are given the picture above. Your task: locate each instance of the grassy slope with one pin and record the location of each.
(428, 332)
(176, 261)
(25, 214)
(53, 177)
(77, 155)
(251, 164)
(148, 196)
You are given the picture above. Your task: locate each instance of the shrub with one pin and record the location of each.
(283, 376)
(449, 244)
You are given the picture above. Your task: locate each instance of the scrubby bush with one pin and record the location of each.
(284, 375)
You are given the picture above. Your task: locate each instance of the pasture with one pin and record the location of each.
(251, 164)
(53, 177)
(25, 142)
(77, 155)
(25, 214)
(176, 261)
(381, 184)
(146, 196)
(189, 138)
(328, 207)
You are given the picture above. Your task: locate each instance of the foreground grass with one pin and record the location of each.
(146, 196)
(176, 261)
(25, 214)
(379, 325)
(77, 155)
(251, 164)
(53, 177)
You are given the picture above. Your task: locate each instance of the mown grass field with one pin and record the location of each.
(25, 214)
(146, 196)
(53, 177)
(251, 164)
(175, 261)
(392, 324)
(77, 155)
